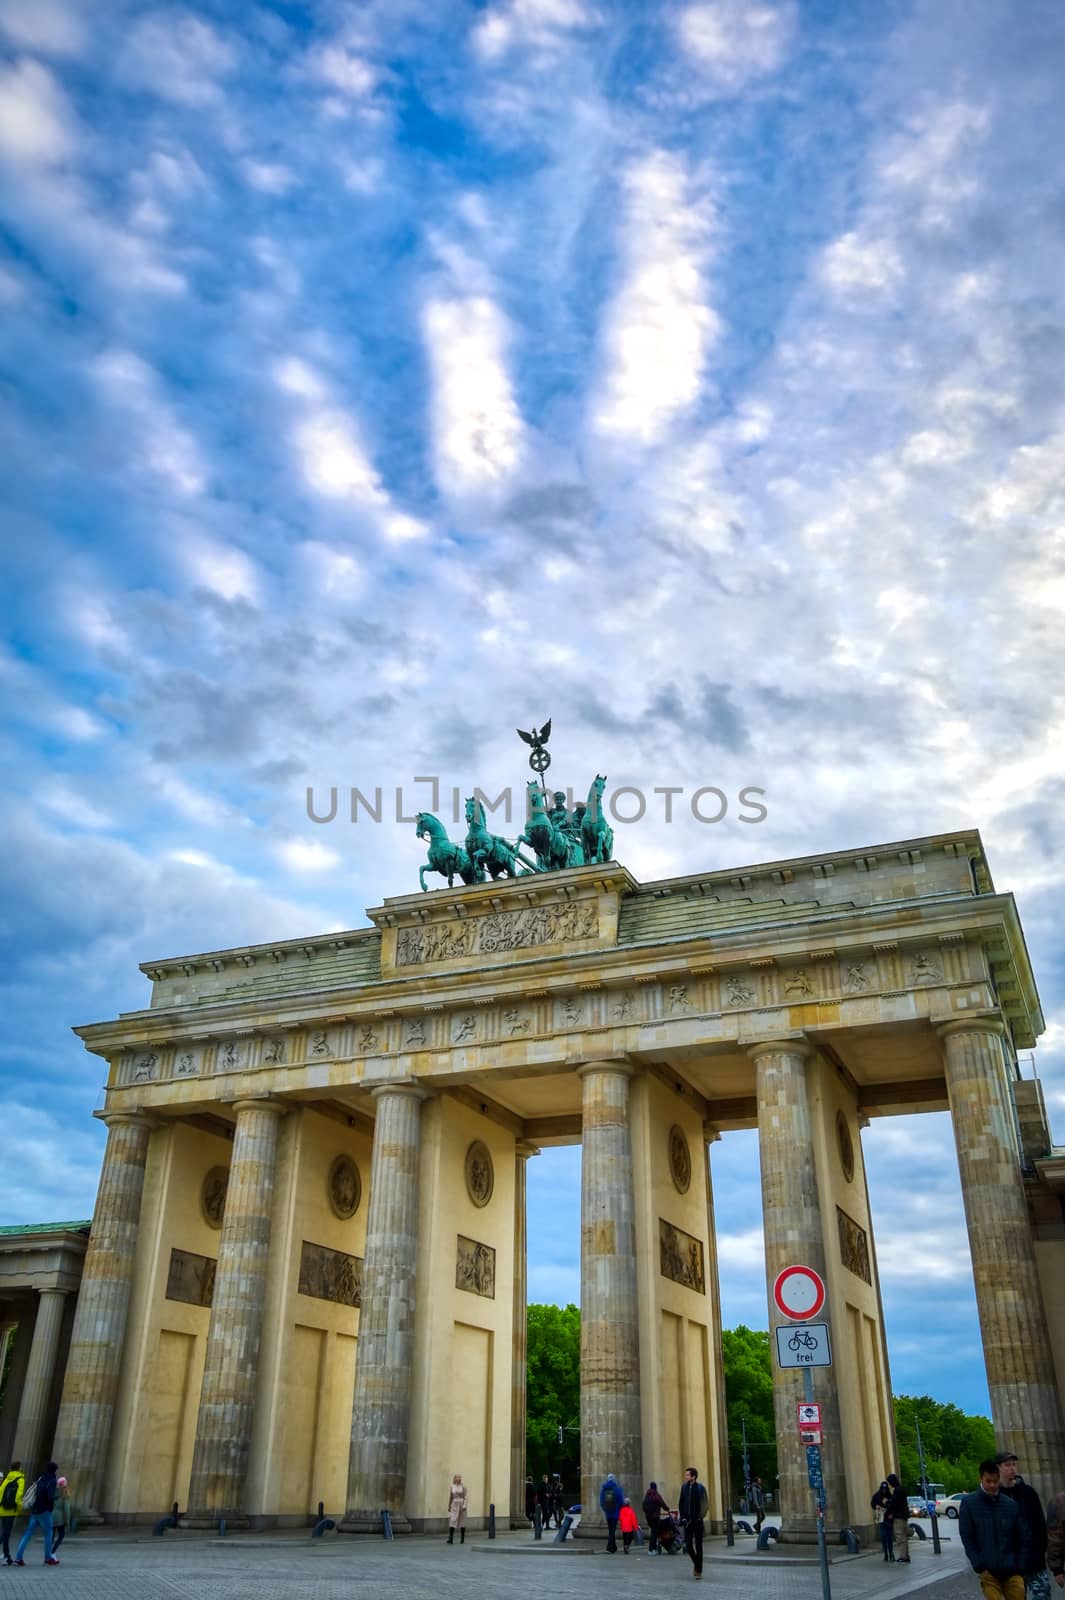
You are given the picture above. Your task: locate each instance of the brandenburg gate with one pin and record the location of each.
(306, 1278)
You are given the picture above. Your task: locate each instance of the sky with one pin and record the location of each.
(377, 378)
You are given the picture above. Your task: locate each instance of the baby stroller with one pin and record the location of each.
(669, 1538)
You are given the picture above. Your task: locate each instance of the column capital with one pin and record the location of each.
(134, 1118)
(260, 1103)
(960, 1025)
(411, 1091)
(786, 1046)
(711, 1133)
(53, 1288)
(624, 1065)
(523, 1149)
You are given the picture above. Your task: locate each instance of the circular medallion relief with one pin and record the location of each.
(480, 1175)
(213, 1196)
(680, 1160)
(344, 1187)
(846, 1147)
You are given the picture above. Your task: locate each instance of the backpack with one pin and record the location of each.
(610, 1500)
(9, 1502)
(29, 1498)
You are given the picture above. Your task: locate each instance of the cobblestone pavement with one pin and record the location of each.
(105, 1565)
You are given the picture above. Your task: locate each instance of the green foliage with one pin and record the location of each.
(954, 1444)
(553, 1393)
(749, 1400)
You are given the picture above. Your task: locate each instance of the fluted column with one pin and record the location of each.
(227, 1396)
(711, 1135)
(90, 1387)
(40, 1380)
(520, 1342)
(380, 1417)
(794, 1236)
(611, 1439)
(1025, 1404)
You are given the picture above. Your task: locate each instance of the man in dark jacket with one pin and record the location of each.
(41, 1516)
(1034, 1524)
(691, 1508)
(993, 1535)
(1056, 1538)
(654, 1509)
(899, 1511)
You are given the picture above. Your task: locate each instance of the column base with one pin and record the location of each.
(370, 1522)
(89, 1518)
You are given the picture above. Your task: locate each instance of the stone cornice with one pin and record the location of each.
(831, 935)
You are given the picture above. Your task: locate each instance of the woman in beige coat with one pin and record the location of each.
(456, 1511)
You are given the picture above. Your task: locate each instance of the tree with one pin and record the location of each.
(749, 1400)
(553, 1392)
(954, 1443)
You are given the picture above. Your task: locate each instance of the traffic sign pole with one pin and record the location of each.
(814, 1451)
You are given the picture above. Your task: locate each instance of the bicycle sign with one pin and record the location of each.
(808, 1346)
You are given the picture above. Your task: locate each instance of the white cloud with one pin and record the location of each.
(539, 27)
(306, 855)
(659, 330)
(269, 177)
(177, 56)
(477, 428)
(220, 567)
(65, 801)
(856, 265)
(169, 450)
(44, 26)
(342, 67)
(734, 42)
(36, 123)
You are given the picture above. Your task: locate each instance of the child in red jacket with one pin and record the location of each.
(627, 1525)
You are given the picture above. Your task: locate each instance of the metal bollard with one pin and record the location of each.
(492, 1521)
(730, 1535)
(221, 1527)
(323, 1525)
(847, 1537)
(321, 1511)
(564, 1528)
(538, 1523)
(386, 1526)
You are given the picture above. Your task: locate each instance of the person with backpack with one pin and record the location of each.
(692, 1508)
(38, 1500)
(12, 1489)
(611, 1500)
(654, 1509)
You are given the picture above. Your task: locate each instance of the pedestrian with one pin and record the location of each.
(1056, 1538)
(456, 1510)
(60, 1514)
(993, 1536)
(40, 1509)
(12, 1488)
(881, 1504)
(546, 1497)
(692, 1508)
(530, 1498)
(1034, 1524)
(611, 1500)
(900, 1518)
(629, 1525)
(756, 1502)
(654, 1509)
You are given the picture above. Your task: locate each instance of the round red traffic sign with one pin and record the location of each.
(799, 1293)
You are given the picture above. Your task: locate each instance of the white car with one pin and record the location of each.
(947, 1505)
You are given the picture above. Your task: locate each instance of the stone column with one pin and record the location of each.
(380, 1417)
(227, 1397)
(611, 1438)
(1025, 1404)
(519, 1346)
(40, 1380)
(794, 1236)
(711, 1135)
(90, 1388)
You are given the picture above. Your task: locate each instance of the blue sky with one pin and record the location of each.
(376, 378)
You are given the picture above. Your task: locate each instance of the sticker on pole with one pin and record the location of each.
(799, 1293)
(809, 1413)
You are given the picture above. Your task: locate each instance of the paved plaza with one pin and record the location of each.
(107, 1565)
